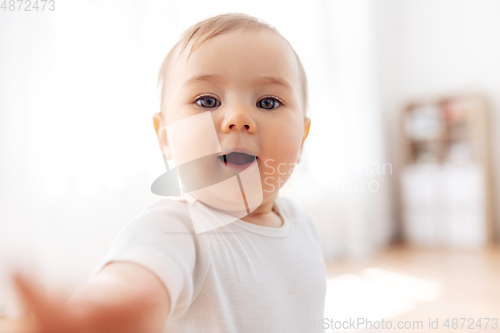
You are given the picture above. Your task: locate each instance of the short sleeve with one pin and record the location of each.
(162, 239)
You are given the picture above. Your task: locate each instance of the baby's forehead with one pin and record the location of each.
(255, 52)
(206, 40)
(202, 53)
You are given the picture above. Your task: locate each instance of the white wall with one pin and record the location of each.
(427, 48)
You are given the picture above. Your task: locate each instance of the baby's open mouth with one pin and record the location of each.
(237, 158)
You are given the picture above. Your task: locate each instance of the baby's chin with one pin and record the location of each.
(237, 196)
(230, 202)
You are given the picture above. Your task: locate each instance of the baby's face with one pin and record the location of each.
(249, 84)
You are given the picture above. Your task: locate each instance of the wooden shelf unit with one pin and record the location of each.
(439, 135)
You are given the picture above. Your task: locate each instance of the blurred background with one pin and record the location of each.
(398, 172)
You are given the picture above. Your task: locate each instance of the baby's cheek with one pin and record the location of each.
(277, 168)
(282, 141)
(286, 143)
(274, 174)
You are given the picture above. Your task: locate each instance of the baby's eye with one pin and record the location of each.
(268, 103)
(207, 102)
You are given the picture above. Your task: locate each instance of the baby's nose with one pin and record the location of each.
(233, 125)
(239, 118)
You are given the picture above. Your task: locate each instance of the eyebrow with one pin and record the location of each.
(214, 78)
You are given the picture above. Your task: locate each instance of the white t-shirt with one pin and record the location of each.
(240, 277)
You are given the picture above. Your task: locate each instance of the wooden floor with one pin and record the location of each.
(417, 287)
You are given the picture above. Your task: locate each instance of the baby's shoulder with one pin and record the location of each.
(174, 205)
(167, 213)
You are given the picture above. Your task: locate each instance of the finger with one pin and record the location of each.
(16, 326)
(30, 294)
(35, 300)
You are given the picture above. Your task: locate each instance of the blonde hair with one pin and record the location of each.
(218, 25)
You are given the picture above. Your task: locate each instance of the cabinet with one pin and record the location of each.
(445, 179)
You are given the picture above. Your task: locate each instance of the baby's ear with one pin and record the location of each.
(307, 125)
(161, 134)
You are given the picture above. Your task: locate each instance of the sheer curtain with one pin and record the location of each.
(346, 171)
(78, 149)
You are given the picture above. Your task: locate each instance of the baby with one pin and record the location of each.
(228, 255)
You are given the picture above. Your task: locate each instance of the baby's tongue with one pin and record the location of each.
(239, 158)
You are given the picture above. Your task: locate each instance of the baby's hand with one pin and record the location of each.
(59, 314)
(39, 312)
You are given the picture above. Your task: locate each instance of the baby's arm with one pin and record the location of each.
(123, 297)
